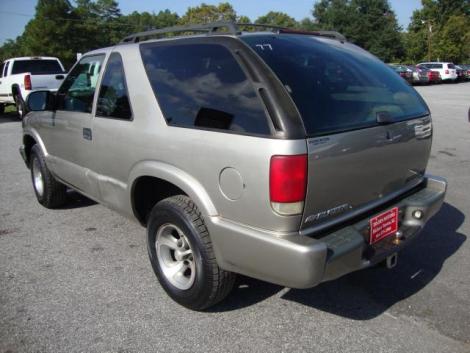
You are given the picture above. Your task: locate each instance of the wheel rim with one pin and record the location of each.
(175, 256)
(38, 180)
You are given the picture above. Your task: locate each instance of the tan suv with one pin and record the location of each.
(290, 157)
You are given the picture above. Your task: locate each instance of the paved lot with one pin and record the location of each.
(78, 279)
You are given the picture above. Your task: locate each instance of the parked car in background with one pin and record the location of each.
(460, 73)
(434, 76)
(20, 76)
(420, 75)
(403, 71)
(446, 70)
(234, 161)
(466, 71)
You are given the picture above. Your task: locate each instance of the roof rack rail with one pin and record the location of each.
(230, 28)
(208, 28)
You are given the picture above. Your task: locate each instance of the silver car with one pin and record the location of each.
(294, 158)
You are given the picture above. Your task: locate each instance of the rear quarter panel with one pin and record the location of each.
(201, 154)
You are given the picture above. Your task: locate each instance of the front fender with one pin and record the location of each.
(179, 178)
(31, 132)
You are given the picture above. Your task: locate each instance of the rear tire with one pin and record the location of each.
(182, 255)
(49, 192)
(20, 107)
(2, 108)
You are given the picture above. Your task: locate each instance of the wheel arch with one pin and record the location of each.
(31, 138)
(152, 181)
(15, 89)
(28, 143)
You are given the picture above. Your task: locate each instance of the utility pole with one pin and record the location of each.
(429, 41)
(428, 23)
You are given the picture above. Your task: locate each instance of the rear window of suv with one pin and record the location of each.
(36, 67)
(203, 86)
(336, 86)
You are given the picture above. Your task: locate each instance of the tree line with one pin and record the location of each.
(440, 30)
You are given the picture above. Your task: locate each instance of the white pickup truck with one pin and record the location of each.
(20, 76)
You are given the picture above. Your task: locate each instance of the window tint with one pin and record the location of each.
(202, 85)
(36, 67)
(336, 86)
(113, 100)
(451, 66)
(1, 69)
(77, 91)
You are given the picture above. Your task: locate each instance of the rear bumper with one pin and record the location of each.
(300, 261)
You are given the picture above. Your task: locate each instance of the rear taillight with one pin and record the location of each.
(288, 183)
(27, 83)
(447, 72)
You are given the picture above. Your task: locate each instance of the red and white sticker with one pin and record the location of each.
(383, 225)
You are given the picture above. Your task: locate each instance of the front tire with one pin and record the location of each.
(49, 192)
(182, 255)
(2, 108)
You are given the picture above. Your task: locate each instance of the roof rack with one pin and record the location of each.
(225, 27)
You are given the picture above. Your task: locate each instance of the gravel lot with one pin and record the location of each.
(79, 280)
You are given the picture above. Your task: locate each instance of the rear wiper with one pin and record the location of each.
(384, 118)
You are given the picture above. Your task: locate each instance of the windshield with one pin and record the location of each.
(336, 86)
(37, 67)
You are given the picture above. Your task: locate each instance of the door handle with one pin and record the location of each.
(87, 133)
(59, 77)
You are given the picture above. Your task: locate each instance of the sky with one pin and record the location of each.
(15, 14)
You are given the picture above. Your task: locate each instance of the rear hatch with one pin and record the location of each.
(368, 131)
(354, 171)
(46, 74)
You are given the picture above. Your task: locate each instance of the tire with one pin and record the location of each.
(2, 108)
(20, 107)
(49, 192)
(175, 225)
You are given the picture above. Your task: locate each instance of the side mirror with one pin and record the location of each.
(40, 101)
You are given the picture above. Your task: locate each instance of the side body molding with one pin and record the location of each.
(176, 176)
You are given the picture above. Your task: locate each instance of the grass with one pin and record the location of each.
(10, 109)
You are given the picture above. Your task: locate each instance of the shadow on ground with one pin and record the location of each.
(9, 117)
(76, 200)
(365, 294)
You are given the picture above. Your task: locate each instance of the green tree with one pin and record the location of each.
(51, 32)
(277, 19)
(453, 40)
(439, 30)
(308, 24)
(209, 13)
(245, 19)
(371, 24)
(11, 48)
(143, 21)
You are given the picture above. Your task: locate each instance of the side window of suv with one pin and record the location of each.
(113, 99)
(202, 85)
(1, 69)
(77, 92)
